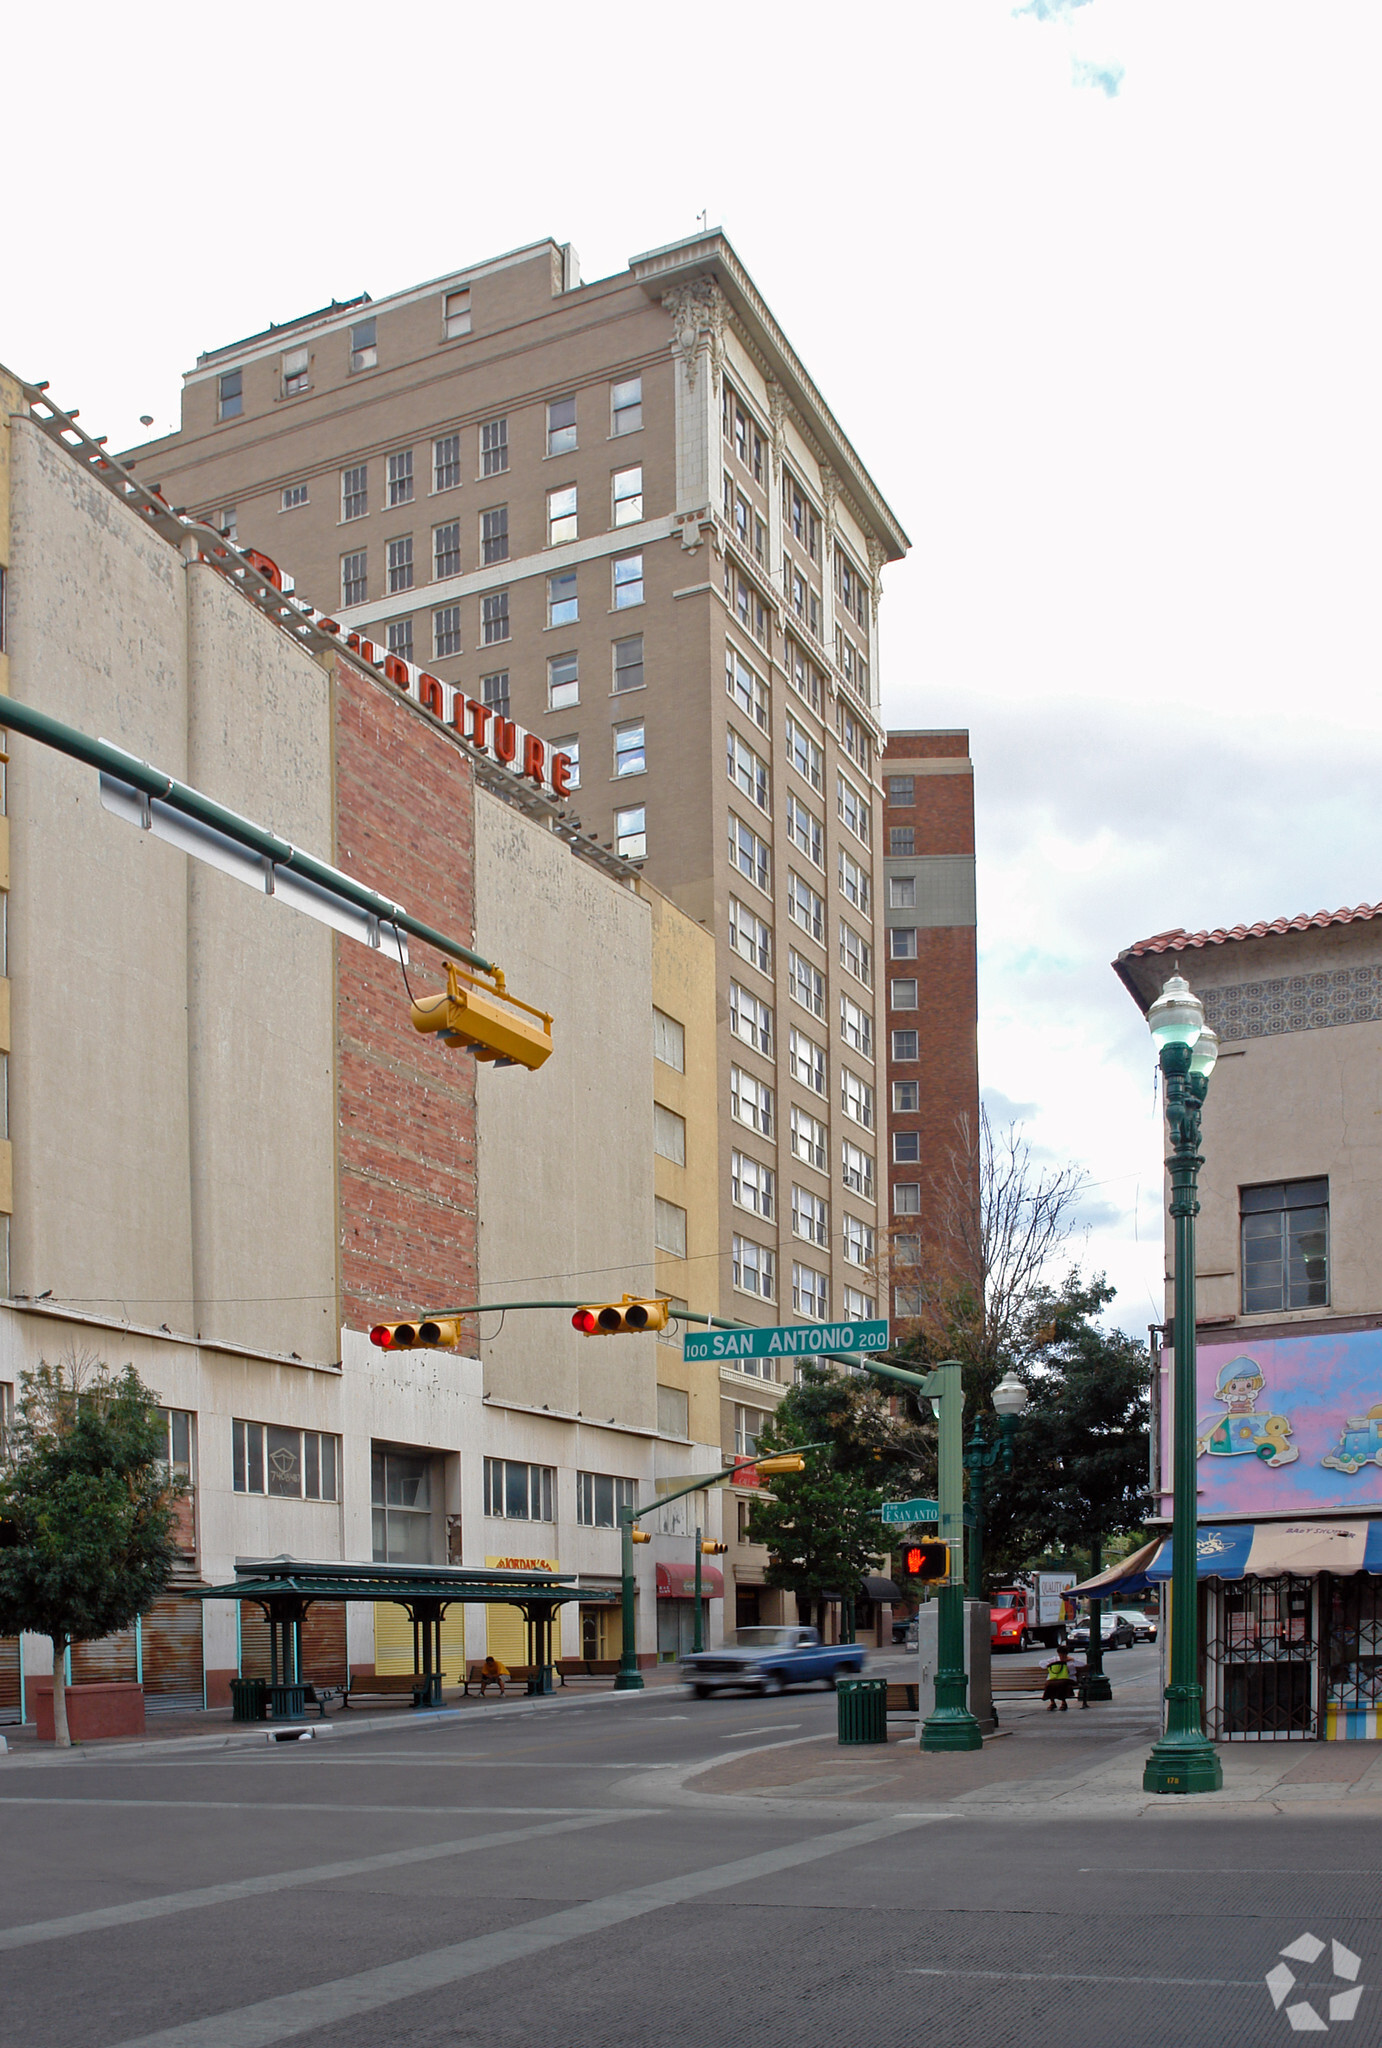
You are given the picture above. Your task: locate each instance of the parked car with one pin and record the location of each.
(1115, 1632)
(1142, 1625)
(769, 1660)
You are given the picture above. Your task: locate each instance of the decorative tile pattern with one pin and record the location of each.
(1295, 1002)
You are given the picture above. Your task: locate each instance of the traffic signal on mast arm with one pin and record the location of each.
(470, 1013)
(713, 1549)
(620, 1318)
(421, 1333)
(787, 1462)
(641, 1536)
(929, 1562)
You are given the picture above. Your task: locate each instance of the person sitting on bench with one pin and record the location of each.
(492, 1672)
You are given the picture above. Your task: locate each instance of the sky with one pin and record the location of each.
(1091, 284)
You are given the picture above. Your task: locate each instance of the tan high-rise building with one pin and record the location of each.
(622, 515)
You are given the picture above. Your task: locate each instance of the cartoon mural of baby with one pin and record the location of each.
(1240, 1431)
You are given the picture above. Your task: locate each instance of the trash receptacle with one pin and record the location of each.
(863, 1709)
(247, 1699)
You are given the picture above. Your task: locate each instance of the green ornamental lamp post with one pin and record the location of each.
(981, 1458)
(1184, 1759)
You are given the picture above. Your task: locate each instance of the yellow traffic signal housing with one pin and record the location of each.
(633, 1313)
(786, 1463)
(641, 1536)
(714, 1549)
(423, 1333)
(929, 1562)
(486, 1020)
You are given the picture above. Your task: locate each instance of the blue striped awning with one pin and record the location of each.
(1258, 1550)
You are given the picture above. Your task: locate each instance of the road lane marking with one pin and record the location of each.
(271, 1806)
(344, 1998)
(281, 1881)
(1076, 1977)
(773, 1728)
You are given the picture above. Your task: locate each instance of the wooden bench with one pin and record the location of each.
(516, 1676)
(902, 1699)
(321, 1696)
(586, 1667)
(392, 1685)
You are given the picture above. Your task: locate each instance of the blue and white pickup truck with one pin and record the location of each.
(769, 1660)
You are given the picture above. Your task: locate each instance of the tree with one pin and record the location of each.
(822, 1526)
(88, 1505)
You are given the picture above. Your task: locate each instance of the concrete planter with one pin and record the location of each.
(106, 1707)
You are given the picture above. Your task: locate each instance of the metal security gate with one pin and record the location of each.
(171, 1655)
(9, 1679)
(1261, 1663)
(1352, 1610)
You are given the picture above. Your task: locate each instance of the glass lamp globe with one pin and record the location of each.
(1009, 1396)
(1204, 1053)
(1177, 1015)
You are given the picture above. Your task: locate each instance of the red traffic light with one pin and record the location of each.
(584, 1321)
(928, 1562)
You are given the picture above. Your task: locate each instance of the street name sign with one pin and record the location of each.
(785, 1340)
(906, 1511)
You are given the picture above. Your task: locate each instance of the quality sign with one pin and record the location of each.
(785, 1340)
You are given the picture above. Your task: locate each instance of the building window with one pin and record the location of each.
(902, 993)
(906, 1198)
(572, 750)
(805, 831)
(494, 617)
(902, 790)
(746, 770)
(752, 1185)
(401, 1507)
(231, 391)
(902, 892)
(805, 907)
(749, 1424)
(810, 1293)
(518, 1493)
(563, 604)
(906, 1148)
(628, 664)
(810, 1216)
(628, 496)
(805, 983)
(852, 806)
(563, 682)
(857, 1170)
(853, 733)
(856, 1098)
(858, 1241)
(804, 675)
(669, 1135)
(446, 631)
(631, 833)
(628, 582)
(626, 406)
(297, 365)
(750, 936)
(398, 637)
(856, 1027)
(601, 1500)
(456, 314)
(803, 753)
(494, 692)
(902, 942)
(673, 1412)
(856, 954)
(751, 1020)
(1285, 1245)
(446, 462)
(854, 883)
(561, 426)
(906, 1248)
(859, 1307)
(669, 1042)
(401, 477)
(753, 1271)
(901, 841)
(561, 516)
(446, 550)
(293, 496)
(630, 754)
(806, 1061)
(494, 534)
(669, 1227)
(907, 1301)
(808, 1139)
(354, 578)
(287, 1464)
(906, 1097)
(364, 350)
(904, 1045)
(355, 491)
(751, 1102)
(400, 554)
(748, 689)
(494, 447)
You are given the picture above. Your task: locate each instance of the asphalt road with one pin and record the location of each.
(545, 1876)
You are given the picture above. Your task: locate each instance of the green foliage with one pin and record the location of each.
(87, 1505)
(822, 1526)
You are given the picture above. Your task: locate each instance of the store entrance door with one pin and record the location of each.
(1261, 1639)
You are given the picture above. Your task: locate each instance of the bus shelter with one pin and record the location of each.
(285, 1587)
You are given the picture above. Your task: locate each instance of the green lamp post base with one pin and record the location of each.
(1097, 1687)
(951, 1728)
(1183, 1763)
(628, 1681)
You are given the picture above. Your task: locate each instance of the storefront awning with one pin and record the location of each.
(678, 1582)
(874, 1587)
(1257, 1550)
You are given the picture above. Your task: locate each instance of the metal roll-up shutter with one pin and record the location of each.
(324, 1643)
(172, 1644)
(109, 1657)
(9, 1678)
(254, 1641)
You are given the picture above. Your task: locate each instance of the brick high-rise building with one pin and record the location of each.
(932, 1003)
(621, 514)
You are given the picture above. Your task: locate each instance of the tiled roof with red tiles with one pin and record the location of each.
(1182, 941)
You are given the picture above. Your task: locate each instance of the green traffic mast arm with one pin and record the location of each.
(707, 1480)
